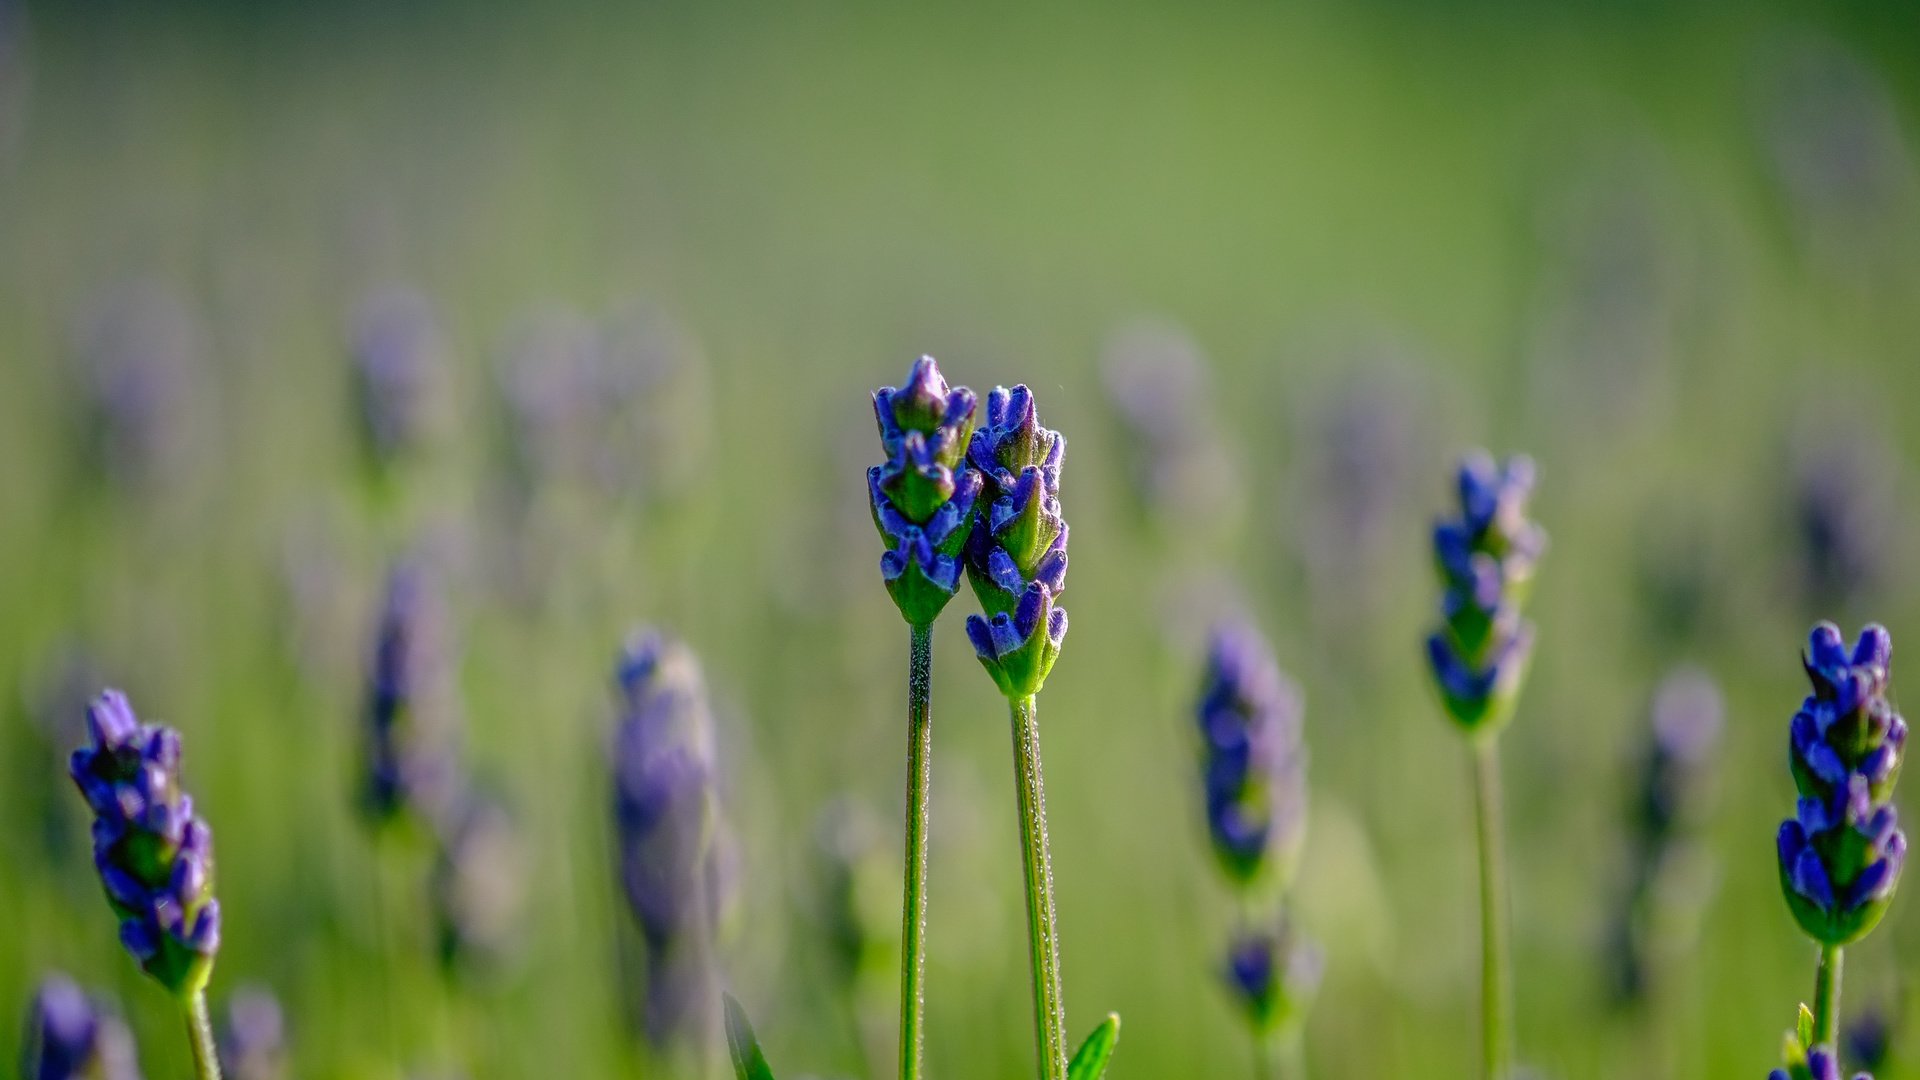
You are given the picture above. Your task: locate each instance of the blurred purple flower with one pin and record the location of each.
(400, 365)
(1843, 506)
(1486, 555)
(1274, 975)
(479, 884)
(1672, 874)
(411, 758)
(140, 348)
(1253, 759)
(670, 833)
(71, 1037)
(1183, 477)
(1832, 132)
(253, 1040)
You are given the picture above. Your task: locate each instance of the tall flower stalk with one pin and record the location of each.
(1017, 560)
(1486, 553)
(1253, 770)
(1842, 851)
(923, 498)
(155, 859)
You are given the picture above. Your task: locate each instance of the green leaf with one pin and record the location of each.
(748, 1062)
(1090, 1061)
(1803, 1026)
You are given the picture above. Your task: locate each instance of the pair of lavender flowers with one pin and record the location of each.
(950, 500)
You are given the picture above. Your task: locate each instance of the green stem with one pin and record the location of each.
(913, 908)
(206, 1055)
(1826, 997)
(1043, 940)
(1496, 985)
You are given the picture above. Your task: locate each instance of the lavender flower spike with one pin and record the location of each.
(1486, 556)
(479, 883)
(1253, 761)
(70, 1037)
(1842, 851)
(411, 766)
(923, 494)
(670, 833)
(1017, 554)
(253, 1043)
(154, 856)
(1275, 976)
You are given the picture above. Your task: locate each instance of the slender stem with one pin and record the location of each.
(1266, 1062)
(206, 1055)
(913, 907)
(1496, 986)
(1826, 996)
(1043, 940)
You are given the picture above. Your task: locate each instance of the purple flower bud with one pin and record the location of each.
(1253, 761)
(1868, 1037)
(1274, 975)
(1843, 513)
(70, 1037)
(673, 862)
(1017, 553)
(253, 1040)
(479, 884)
(411, 717)
(1841, 855)
(140, 347)
(1485, 557)
(154, 856)
(923, 496)
(1671, 876)
(399, 363)
(1182, 476)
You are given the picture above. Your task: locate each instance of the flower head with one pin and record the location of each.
(140, 349)
(1843, 514)
(671, 838)
(411, 764)
(399, 359)
(154, 855)
(1486, 555)
(1841, 852)
(1275, 975)
(71, 1037)
(1672, 873)
(253, 1041)
(1253, 762)
(479, 882)
(1157, 385)
(1017, 553)
(923, 494)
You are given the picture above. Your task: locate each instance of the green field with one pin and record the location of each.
(1661, 250)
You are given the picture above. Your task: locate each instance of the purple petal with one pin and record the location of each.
(981, 636)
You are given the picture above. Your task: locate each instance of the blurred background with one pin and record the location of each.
(578, 307)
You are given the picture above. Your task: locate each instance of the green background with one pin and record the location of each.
(1566, 231)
